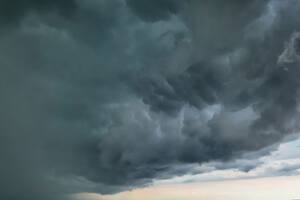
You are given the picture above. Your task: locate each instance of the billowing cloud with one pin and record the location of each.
(281, 161)
(102, 96)
(14, 10)
(155, 10)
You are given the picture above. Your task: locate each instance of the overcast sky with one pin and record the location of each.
(107, 96)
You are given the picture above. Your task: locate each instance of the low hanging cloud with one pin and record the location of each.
(14, 10)
(155, 10)
(103, 96)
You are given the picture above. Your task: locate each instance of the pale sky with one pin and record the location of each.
(276, 188)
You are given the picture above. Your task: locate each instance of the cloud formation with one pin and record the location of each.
(102, 96)
(14, 10)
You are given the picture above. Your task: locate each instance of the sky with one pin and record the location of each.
(139, 97)
(263, 189)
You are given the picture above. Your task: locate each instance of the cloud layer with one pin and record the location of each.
(102, 96)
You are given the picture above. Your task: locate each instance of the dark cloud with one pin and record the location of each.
(155, 10)
(122, 93)
(199, 86)
(219, 27)
(14, 10)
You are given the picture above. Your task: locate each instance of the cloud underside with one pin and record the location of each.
(103, 96)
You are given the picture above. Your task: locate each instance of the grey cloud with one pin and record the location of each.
(102, 101)
(14, 10)
(219, 27)
(155, 10)
(292, 50)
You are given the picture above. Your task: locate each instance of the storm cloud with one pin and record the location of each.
(15, 10)
(108, 95)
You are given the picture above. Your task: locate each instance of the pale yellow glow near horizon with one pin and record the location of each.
(279, 188)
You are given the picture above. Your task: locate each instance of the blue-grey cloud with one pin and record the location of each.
(107, 95)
